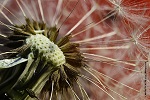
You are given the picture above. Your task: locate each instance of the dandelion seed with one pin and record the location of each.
(131, 11)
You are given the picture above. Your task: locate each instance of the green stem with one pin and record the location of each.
(40, 83)
(15, 95)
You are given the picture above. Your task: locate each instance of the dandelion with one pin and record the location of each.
(72, 49)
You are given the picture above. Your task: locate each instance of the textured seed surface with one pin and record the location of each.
(48, 49)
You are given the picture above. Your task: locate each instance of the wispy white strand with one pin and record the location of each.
(107, 48)
(1, 44)
(83, 90)
(58, 8)
(1, 8)
(97, 37)
(7, 53)
(145, 30)
(72, 90)
(3, 35)
(85, 77)
(35, 10)
(21, 8)
(95, 71)
(52, 91)
(41, 10)
(82, 19)
(86, 69)
(6, 17)
(4, 3)
(111, 59)
(8, 26)
(27, 9)
(111, 14)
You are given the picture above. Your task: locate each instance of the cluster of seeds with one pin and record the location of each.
(48, 61)
(49, 51)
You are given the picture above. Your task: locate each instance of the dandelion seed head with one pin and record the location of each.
(48, 49)
(74, 49)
